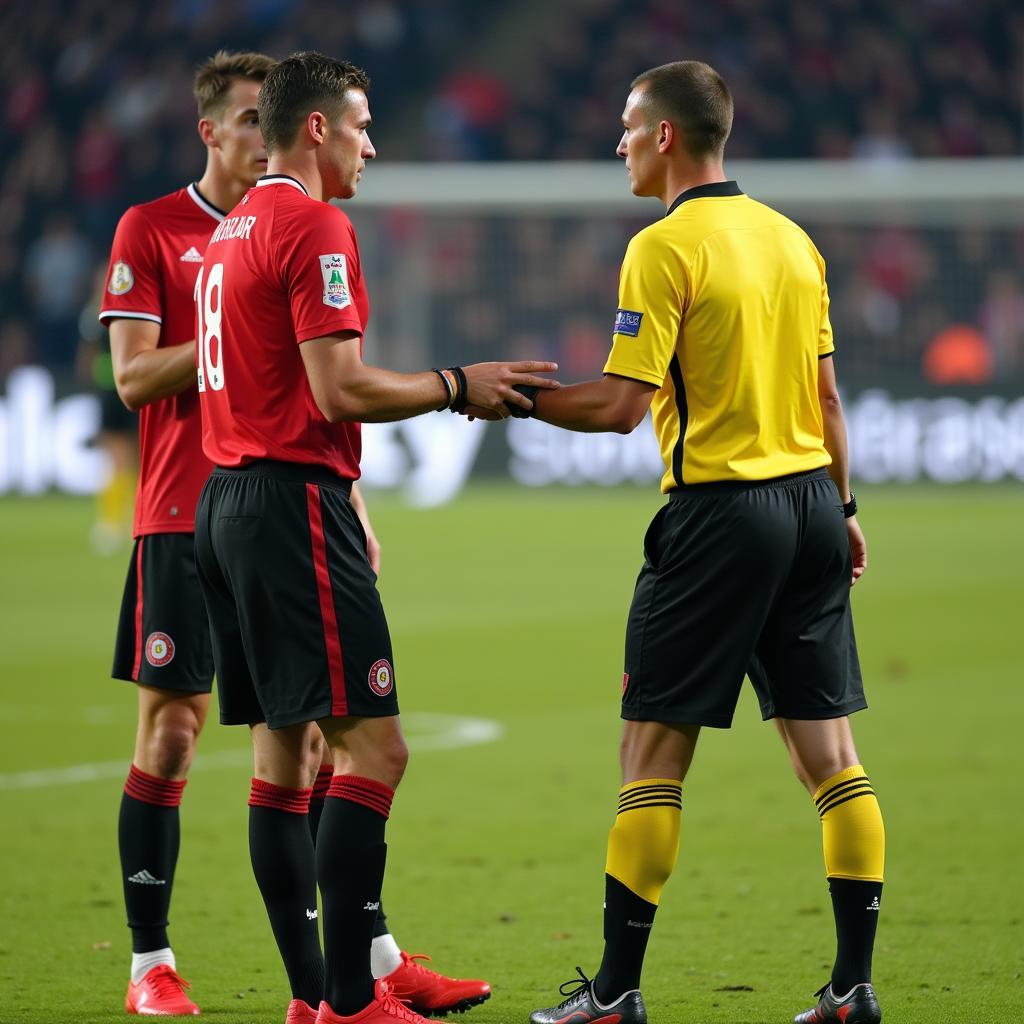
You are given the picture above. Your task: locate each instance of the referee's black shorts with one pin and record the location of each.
(298, 628)
(744, 579)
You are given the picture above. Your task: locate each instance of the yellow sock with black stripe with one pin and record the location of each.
(853, 838)
(642, 849)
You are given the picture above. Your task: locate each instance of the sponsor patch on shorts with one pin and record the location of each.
(627, 321)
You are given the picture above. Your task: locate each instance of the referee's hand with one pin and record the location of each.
(491, 384)
(858, 548)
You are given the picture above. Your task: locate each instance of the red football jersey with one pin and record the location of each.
(281, 269)
(157, 252)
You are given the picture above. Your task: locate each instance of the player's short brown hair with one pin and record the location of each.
(299, 84)
(692, 96)
(214, 78)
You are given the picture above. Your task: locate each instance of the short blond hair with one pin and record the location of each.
(214, 78)
(693, 97)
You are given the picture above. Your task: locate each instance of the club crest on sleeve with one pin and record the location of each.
(627, 321)
(159, 649)
(382, 678)
(121, 278)
(335, 274)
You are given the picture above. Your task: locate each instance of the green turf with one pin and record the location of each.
(509, 605)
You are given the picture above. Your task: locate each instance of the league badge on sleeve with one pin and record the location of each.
(627, 321)
(121, 278)
(335, 274)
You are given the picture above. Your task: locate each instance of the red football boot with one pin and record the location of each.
(385, 1009)
(300, 1012)
(432, 994)
(161, 993)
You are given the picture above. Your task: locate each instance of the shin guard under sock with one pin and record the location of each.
(285, 869)
(853, 838)
(148, 835)
(642, 849)
(350, 855)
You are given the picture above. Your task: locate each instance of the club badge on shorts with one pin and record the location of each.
(159, 649)
(334, 270)
(382, 678)
(121, 279)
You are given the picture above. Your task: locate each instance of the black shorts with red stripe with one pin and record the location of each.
(163, 635)
(298, 628)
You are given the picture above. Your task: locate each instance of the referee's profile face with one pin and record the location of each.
(639, 145)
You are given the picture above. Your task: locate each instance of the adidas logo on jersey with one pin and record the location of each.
(143, 877)
(192, 256)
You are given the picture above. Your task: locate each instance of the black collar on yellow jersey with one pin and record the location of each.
(714, 189)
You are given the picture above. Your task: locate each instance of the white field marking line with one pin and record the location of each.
(425, 731)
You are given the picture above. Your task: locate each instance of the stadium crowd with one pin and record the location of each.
(845, 79)
(97, 115)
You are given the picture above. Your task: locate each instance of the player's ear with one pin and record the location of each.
(316, 126)
(666, 133)
(208, 132)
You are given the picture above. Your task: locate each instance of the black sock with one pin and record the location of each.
(855, 905)
(148, 836)
(380, 926)
(627, 927)
(285, 868)
(350, 854)
(316, 801)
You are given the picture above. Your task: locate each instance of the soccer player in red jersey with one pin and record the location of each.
(163, 639)
(299, 633)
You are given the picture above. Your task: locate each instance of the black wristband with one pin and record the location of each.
(527, 391)
(462, 392)
(447, 386)
(850, 508)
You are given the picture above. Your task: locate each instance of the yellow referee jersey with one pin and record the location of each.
(723, 305)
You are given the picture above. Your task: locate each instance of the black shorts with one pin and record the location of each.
(744, 579)
(115, 417)
(163, 635)
(298, 629)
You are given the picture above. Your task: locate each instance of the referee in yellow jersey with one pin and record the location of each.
(723, 332)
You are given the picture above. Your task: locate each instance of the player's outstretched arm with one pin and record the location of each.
(613, 403)
(834, 425)
(345, 389)
(144, 373)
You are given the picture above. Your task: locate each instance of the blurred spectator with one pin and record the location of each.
(15, 346)
(118, 434)
(1002, 319)
(57, 269)
(958, 355)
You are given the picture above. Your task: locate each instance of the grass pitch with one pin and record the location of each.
(509, 607)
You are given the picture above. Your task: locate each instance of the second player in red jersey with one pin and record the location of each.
(163, 640)
(157, 252)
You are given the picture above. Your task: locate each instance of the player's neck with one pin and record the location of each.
(303, 171)
(220, 189)
(683, 177)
